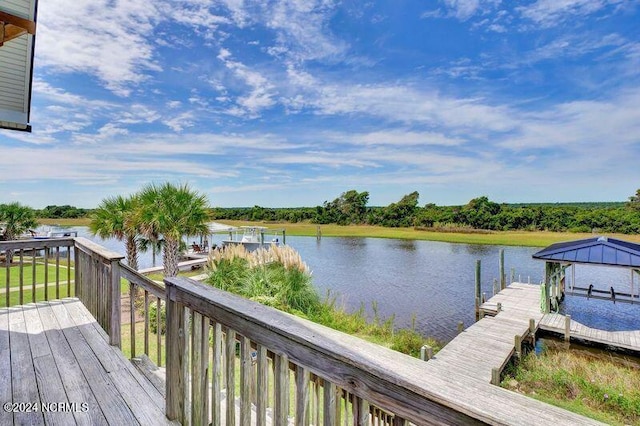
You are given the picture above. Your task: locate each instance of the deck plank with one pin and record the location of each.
(112, 360)
(48, 378)
(144, 399)
(74, 382)
(114, 407)
(5, 366)
(23, 375)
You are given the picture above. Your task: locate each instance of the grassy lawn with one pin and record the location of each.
(27, 274)
(510, 238)
(594, 385)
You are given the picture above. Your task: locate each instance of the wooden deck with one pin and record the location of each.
(55, 355)
(628, 340)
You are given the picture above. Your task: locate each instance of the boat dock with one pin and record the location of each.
(489, 344)
(507, 320)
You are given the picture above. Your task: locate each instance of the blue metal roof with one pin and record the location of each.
(595, 251)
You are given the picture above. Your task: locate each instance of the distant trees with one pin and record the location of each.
(349, 208)
(62, 212)
(634, 201)
(398, 214)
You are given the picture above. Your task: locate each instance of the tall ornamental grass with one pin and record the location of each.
(278, 277)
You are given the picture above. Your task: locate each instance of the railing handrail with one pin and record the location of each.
(386, 378)
(36, 243)
(95, 249)
(142, 281)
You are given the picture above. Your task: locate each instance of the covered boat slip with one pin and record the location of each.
(17, 37)
(600, 251)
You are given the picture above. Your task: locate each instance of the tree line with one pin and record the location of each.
(351, 208)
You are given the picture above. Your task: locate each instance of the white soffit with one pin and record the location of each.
(16, 62)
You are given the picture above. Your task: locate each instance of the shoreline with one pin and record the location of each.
(506, 238)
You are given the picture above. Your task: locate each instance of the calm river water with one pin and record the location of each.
(434, 281)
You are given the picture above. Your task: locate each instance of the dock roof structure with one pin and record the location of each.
(17, 42)
(594, 251)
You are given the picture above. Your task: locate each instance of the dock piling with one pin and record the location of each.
(503, 278)
(495, 376)
(567, 328)
(426, 353)
(478, 289)
(460, 327)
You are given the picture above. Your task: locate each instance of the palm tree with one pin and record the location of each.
(16, 219)
(115, 218)
(172, 211)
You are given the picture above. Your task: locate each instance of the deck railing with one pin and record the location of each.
(228, 360)
(41, 270)
(337, 379)
(35, 270)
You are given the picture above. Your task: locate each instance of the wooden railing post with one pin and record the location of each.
(115, 316)
(176, 362)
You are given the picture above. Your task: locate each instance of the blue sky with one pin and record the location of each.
(292, 102)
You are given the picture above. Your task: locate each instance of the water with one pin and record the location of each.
(432, 283)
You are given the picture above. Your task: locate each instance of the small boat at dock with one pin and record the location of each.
(252, 237)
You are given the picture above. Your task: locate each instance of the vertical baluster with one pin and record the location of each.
(216, 376)
(316, 412)
(146, 322)
(262, 386)
(246, 368)
(329, 404)
(33, 275)
(68, 271)
(339, 398)
(346, 400)
(177, 379)
(57, 272)
(46, 273)
(132, 317)
(281, 389)
(199, 376)
(21, 283)
(159, 331)
(231, 376)
(360, 411)
(302, 396)
(8, 280)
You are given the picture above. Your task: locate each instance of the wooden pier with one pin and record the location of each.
(491, 342)
(571, 329)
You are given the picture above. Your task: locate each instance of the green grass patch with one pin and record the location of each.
(508, 238)
(603, 388)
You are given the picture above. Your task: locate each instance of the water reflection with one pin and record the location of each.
(433, 281)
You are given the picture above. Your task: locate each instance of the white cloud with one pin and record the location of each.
(107, 39)
(553, 12)
(261, 93)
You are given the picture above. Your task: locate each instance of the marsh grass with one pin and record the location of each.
(602, 388)
(278, 277)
